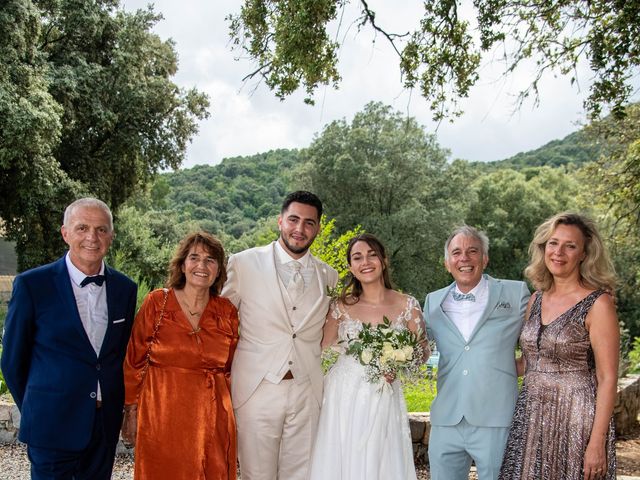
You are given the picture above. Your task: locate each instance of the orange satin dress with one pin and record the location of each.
(186, 426)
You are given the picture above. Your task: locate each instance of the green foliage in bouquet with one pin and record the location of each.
(386, 350)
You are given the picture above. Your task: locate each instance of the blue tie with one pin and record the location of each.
(97, 279)
(460, 297)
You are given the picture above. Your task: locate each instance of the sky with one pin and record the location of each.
(247, 118)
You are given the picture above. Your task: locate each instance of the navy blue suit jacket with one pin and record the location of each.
(49, 364)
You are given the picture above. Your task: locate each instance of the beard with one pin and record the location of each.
(293, 248)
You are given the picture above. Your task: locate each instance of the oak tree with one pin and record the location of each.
(292, 43)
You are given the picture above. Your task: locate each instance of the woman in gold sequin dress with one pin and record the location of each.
(563, 427)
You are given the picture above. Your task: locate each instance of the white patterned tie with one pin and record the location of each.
(296, 284)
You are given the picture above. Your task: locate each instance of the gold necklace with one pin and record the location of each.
(193, 314)
(185, 304)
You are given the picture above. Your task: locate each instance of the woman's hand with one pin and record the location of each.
(595, 461)
(130, 425)
(390, 377)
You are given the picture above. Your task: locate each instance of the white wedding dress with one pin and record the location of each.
(363, 432)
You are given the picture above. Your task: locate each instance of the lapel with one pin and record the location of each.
(321, 275)
(447, 321)
(272, 278)
(68, 299)
(112, 296)
(495, 289)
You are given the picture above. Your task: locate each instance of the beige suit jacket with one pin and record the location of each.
(267, 336)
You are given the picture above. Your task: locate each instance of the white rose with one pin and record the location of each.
(386, 356)
(366, 356)
(399, 356)
(408, 352)
(387, 347)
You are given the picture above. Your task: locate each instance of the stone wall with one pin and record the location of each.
(626, 414)
(9, 421)
(627, 405)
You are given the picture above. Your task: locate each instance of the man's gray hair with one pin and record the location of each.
(468, 231)
(88, 202)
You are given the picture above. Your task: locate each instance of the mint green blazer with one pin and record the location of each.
(477, 379)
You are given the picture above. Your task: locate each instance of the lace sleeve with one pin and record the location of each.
(414, 317)
(331, 325)
(416, 323)
(334, 311)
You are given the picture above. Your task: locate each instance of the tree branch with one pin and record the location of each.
(257, 71)
(370, 16)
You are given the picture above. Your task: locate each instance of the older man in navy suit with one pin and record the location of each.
(66, 333)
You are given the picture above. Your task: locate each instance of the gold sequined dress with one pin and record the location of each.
(555, 409)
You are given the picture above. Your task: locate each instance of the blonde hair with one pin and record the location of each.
(596, 270)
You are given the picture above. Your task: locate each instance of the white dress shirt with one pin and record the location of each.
(466, 314)
(92, 307)
(285, 269)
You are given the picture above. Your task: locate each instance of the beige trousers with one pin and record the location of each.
(276, 430)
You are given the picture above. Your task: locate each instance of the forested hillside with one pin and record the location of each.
(385, 174)
(575, 149)
(234, 194)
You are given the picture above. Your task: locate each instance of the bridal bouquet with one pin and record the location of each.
(385, 350)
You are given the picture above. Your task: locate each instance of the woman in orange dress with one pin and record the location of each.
(178, 409)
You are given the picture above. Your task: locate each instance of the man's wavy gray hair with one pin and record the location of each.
(468, 231)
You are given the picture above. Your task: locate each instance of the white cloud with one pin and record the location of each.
(247, 119)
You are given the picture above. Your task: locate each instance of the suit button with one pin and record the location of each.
(295, 308)
(466, 347)
(294, 335)
(465, 372)
(98, 367)
(290, 362)
(93, 394)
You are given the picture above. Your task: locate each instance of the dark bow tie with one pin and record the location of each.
(97, 279)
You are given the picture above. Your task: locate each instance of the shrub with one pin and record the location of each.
(634, 356)
(3, 385)
(3, 315)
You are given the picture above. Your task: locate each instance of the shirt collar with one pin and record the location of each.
(283, 256)
(477, 290)
(75, 274)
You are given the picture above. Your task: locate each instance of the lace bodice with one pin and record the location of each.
(349, 327)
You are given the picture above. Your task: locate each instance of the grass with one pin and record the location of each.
(419, 394)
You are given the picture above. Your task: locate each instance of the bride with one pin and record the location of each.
(363, 432)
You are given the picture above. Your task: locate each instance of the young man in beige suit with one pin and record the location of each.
(276, 377)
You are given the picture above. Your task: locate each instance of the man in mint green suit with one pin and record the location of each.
(475, 323)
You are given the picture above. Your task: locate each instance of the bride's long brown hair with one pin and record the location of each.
(352, 288)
